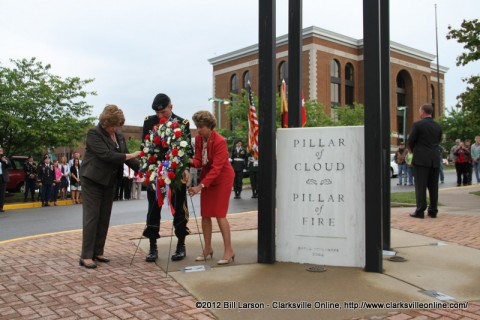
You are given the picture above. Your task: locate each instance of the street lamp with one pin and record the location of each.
(404, 110)
(219, 101)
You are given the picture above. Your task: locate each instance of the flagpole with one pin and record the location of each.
(439, 104)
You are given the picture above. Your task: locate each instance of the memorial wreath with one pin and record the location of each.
(164, 157)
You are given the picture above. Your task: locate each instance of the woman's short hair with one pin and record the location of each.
(111, 116)
(204, 118)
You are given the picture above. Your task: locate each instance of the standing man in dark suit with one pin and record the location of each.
(239, 159)
(5, 164)
(424, 141)
(163, 109)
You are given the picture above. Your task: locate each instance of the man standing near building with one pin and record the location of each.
(239, 157)
(424, 141)
(399, 158)
(475, 154)
(453, 157)
(5, 164)
(163, 109)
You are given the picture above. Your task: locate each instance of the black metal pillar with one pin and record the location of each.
(295, 37)
(267, 132)
(373, 133)
(385, 67)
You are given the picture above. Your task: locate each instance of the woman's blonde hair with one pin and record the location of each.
(204, 118)
(111, 116)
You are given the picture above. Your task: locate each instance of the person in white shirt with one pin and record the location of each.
(127, 180)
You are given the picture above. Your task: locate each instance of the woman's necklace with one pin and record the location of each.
(114, 138)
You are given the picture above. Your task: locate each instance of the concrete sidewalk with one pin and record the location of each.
(40, 277)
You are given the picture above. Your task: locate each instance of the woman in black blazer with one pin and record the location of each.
(106, 152)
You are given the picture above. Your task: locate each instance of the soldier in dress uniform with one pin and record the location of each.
(253, 172)
(163, 109)
(239, 160)
(30, 169)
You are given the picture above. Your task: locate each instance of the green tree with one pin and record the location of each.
(469, 35)
(39, 109)
(458, 125)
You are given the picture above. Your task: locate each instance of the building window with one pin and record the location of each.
(432, 100)
(401, 102)
(349, 85)
(282, 74)
(234, 84)
(246, 79)
(335, 83)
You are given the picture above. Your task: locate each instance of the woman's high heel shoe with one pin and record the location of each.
(226, 261)
(204, 257)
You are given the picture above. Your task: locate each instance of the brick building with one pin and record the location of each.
(332, 74)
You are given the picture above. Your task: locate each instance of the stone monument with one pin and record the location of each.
(320, 196)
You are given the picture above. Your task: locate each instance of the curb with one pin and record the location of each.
(38, 204)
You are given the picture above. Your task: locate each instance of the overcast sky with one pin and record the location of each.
(136, 49)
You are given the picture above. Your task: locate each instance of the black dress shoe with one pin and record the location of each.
(87, 265)
(415, 215)
(152, 255)
(103, 259)
(432, 215)
(180, 254)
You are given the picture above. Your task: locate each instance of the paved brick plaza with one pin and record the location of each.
(40, 277)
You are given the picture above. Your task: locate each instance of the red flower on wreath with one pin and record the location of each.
(171, 175)
(157, 140)
(147, 136)
(174, 151)
(178, 134)
(163, 120)
(164, 143)
(173, 165)
(152, 159)
(142, 154)
(175, 125)
(161, 182)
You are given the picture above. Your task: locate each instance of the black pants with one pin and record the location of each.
(30, 186)
(237, 182)
(426, 178)
(462, 171)
(180, 218)
(46, 192)
(126, 188)
(253, 181)
(3, 189)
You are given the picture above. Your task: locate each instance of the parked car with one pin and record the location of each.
(393, 166)
(16, 173)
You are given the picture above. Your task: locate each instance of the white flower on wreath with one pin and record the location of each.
(168, 181)
(181, 153)
(183, 144)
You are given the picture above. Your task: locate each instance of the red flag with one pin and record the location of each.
(304, 111)
(284, 109)
(252, 124)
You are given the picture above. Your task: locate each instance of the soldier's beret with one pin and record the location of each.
(160, 102)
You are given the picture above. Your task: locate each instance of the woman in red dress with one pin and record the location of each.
(211, 154)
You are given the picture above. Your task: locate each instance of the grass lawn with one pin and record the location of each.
(403, 197)
(13, 197)
(476, 193)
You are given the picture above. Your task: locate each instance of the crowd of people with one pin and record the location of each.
(53, 178)
(464, 155)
